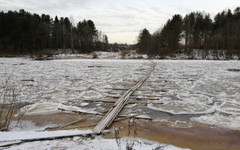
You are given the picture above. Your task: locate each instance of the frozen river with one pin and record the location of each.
(199, 91)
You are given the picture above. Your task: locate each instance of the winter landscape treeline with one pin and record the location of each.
(25, 33)
(194, 31)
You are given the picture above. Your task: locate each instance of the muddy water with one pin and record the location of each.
(181, 134)
(197, 137)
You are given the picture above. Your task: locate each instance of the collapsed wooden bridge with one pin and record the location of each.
(119, 104)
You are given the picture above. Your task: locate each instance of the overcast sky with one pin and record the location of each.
(121, 20)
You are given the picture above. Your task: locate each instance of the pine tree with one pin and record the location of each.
(144, 41)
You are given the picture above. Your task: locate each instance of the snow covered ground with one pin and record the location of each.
(204, 90)
(129, 54)
(76, 142)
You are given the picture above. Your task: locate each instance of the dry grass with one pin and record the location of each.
(94, 56)
(8, 100)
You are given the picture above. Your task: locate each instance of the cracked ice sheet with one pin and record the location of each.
(198, 88)
(188, 87)
(69, 81)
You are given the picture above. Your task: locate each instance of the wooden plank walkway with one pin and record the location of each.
(117, 107)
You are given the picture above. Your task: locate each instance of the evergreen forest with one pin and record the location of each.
(25, 33)
(196, 30)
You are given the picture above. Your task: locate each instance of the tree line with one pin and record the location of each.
(25, 33)
(194, 31)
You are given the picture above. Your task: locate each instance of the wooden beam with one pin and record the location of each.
(119, 104)
(131, 101)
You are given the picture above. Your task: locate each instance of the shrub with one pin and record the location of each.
(94, 56)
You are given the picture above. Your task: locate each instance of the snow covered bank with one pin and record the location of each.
(78, 142)
(129, 54)
(200, 54)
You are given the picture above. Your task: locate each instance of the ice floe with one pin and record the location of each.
(46, 108)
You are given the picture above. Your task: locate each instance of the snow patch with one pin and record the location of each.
(85, 143)
(13, 136)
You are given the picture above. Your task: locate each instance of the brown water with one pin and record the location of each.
(196, 137)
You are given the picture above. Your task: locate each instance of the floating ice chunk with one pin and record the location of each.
(131, 105)
(84, 104)
(182, 124)
(41, 108)
(177, 123)
(51, 108)
(232, 108)
(90, 94)
(219, 120)
(179, 107)
(195, 98)
(144, 116)
(76, 109)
